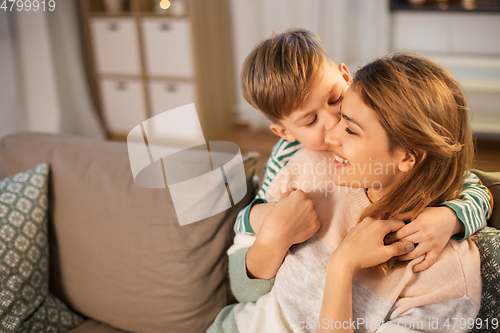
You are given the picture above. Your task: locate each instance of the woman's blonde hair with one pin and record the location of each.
(423, 110)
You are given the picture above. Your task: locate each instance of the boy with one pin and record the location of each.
(290, 79)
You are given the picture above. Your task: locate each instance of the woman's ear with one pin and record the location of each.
(407, 162)
(282, 132)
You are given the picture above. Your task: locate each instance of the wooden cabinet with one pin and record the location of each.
(143, 63)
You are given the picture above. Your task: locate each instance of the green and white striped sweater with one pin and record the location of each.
(473, 206)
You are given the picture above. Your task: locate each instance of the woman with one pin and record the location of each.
(419, 113)
(404, 144)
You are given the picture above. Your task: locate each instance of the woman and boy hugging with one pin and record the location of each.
(352, 261)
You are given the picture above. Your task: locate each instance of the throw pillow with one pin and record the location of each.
(488, 242)
(26, 305)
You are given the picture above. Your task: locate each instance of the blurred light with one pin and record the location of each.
(164, 4)
(469, 4)
(443, 6)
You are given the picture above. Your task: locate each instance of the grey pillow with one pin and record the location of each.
(26, 305)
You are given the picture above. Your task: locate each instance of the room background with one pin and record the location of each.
(45, 87)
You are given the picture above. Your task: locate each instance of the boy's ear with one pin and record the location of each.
(344, 71)
(282, 132)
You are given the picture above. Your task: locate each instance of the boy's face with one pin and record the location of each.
(320, 112)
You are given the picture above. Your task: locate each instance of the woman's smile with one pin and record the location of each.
(340, 162)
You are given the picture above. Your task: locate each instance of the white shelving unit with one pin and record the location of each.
(143, 63)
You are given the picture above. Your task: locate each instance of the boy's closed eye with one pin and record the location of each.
(312, 122)
(331, 103)
(336, 100)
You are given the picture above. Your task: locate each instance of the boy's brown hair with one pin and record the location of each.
(278, 74)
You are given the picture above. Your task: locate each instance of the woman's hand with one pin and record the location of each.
(364, 245)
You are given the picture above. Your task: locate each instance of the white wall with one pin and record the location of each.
(465, 43)
(43, 87)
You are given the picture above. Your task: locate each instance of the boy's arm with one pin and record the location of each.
(473, 206)
(281, 154)
(245, 288)
(292, 220)
(458, 219)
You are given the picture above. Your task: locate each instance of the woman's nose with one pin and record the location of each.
(332, 120)
(333, 137)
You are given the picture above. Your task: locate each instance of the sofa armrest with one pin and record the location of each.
(492, 181)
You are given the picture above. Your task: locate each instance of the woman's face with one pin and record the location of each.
(361, 147)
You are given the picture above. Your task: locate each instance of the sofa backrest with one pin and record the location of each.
(117, 252)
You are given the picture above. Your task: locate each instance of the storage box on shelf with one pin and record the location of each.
(144, 60)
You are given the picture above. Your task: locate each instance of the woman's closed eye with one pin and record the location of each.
(313, 122)
(348, 130)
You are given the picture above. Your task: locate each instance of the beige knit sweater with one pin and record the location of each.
(439, 299)
(433, 300)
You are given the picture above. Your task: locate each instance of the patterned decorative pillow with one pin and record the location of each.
(26, 305)
(488, 242)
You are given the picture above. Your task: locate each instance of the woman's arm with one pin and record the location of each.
(336, 308)
(244, 287)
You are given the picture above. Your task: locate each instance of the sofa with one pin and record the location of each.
(117, 256)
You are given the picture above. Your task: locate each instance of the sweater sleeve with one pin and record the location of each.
(473, 206)
(244, 288)
(281, 154)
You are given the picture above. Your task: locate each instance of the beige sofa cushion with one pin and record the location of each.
(117, 252)
(92, 326)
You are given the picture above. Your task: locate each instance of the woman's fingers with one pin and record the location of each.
(405, 231)
(417, 252)
(400, 248)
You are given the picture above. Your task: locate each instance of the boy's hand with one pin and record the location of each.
(292, 220)
(258, 214)
(431, 230)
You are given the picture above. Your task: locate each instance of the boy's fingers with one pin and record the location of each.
(430, 259)
(406, 216)
(285, 194)
(417, 252)
(392, 225)
(405, 231)
(414, 238)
